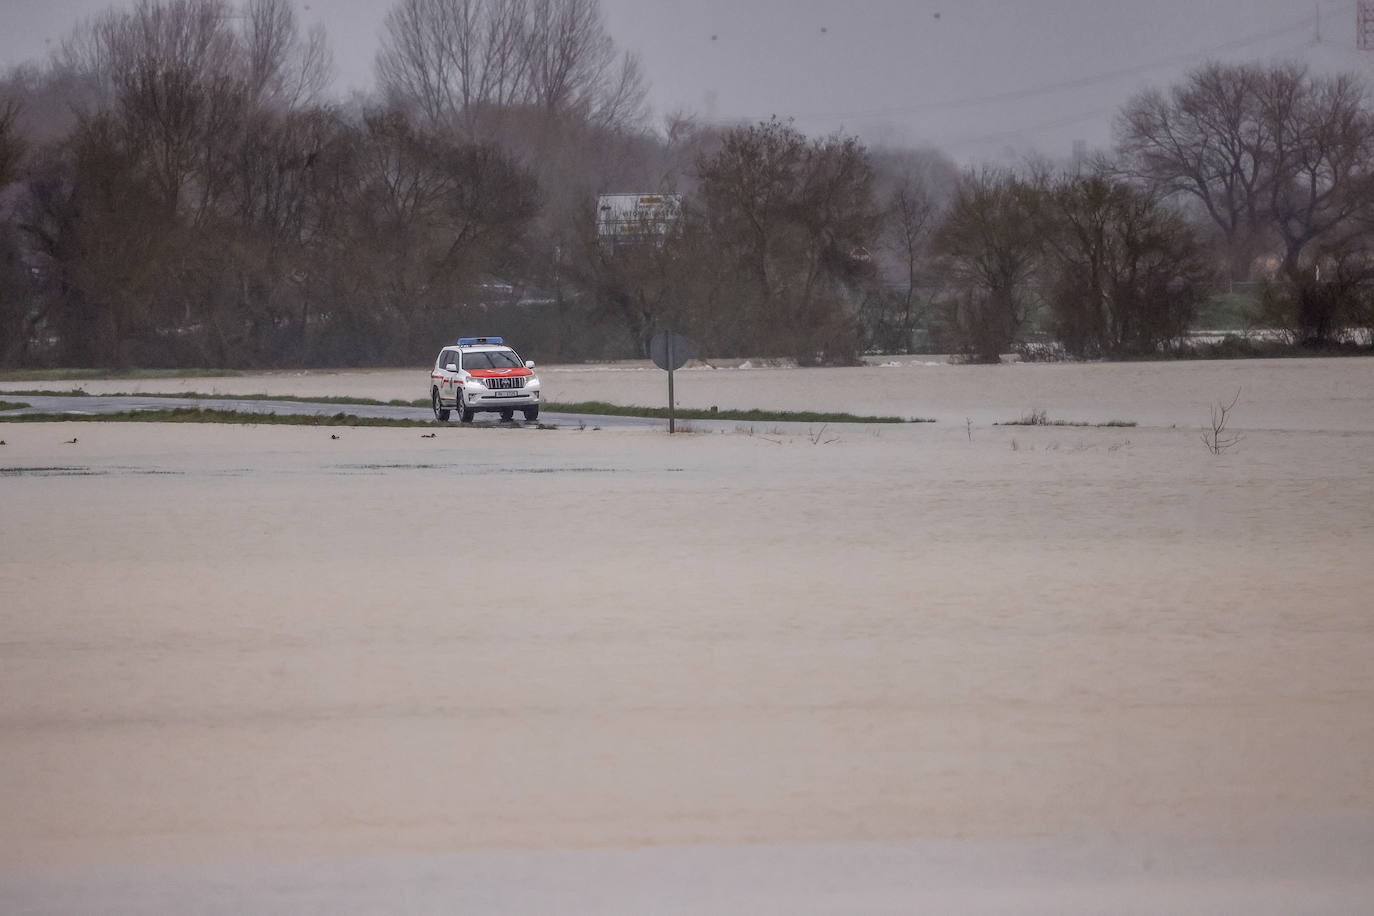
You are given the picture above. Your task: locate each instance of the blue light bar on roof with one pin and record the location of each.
(469, 341)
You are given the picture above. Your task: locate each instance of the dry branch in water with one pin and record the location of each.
(1217, 439)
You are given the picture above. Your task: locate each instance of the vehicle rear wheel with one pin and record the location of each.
(440, 412)
(531, 414)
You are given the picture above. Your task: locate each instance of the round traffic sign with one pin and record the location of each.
(669, 351)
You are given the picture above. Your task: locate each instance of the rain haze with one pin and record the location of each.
(1004, 546)
(980, 79)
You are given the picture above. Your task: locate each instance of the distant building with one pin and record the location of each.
(631, 219)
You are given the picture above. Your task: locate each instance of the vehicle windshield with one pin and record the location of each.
(492, 359)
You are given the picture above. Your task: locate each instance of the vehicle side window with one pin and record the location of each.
(448, 356)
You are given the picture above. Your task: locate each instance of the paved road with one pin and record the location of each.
(97, 404)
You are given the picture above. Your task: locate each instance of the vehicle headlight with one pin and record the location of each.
(473, 382)
(532, 383)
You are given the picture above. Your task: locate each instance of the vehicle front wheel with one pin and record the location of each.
(531, 414)
(506, 415)
(464, 414)
(440, 412)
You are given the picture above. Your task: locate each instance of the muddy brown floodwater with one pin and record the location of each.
(955, 666)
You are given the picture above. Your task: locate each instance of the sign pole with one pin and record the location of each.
(672, 410)
(670, 351)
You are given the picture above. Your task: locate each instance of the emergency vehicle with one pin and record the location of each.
(481, 374)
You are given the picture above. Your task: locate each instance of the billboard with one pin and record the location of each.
(624, 219)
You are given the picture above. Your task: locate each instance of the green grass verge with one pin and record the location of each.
(49, 393)
(1108, 423)
(580, 407)
(12, 405)
(781, 416)
(1038, 418)
(207, 415)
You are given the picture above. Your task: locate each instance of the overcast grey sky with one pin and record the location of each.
(980, 78)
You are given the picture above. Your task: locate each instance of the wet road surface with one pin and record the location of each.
(106, 404)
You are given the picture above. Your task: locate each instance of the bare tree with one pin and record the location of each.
(48, 98)
(432, 56)
(284, 70)
(644, 286)
(1324, 186)
(574, 65)
(1210, 139)
(747, 189)
(186, 76)
(416, 224)
(914, 187)
(1123, 275)
(12, 145)
(99, 236)
(787, 214)
(458, 60)
(187, 36)
(1216, 438)
(1269, 153)
(259, 44)
(990, 249)
(15, 281)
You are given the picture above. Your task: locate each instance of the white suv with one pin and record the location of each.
(481, 374)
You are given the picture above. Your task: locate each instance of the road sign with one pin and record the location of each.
(670, 351)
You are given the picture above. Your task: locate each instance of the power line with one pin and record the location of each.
(1302, 24)
(1012, 133)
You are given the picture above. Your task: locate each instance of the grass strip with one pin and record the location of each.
(779, 416)
(1108, 423)
(210, 415)
(12, 405)
(601, 408)
(1038, 418)
(48, 393)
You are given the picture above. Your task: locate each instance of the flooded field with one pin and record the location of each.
(1277, 394)
(957, 665)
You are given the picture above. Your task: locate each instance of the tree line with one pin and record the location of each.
(177, 189)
